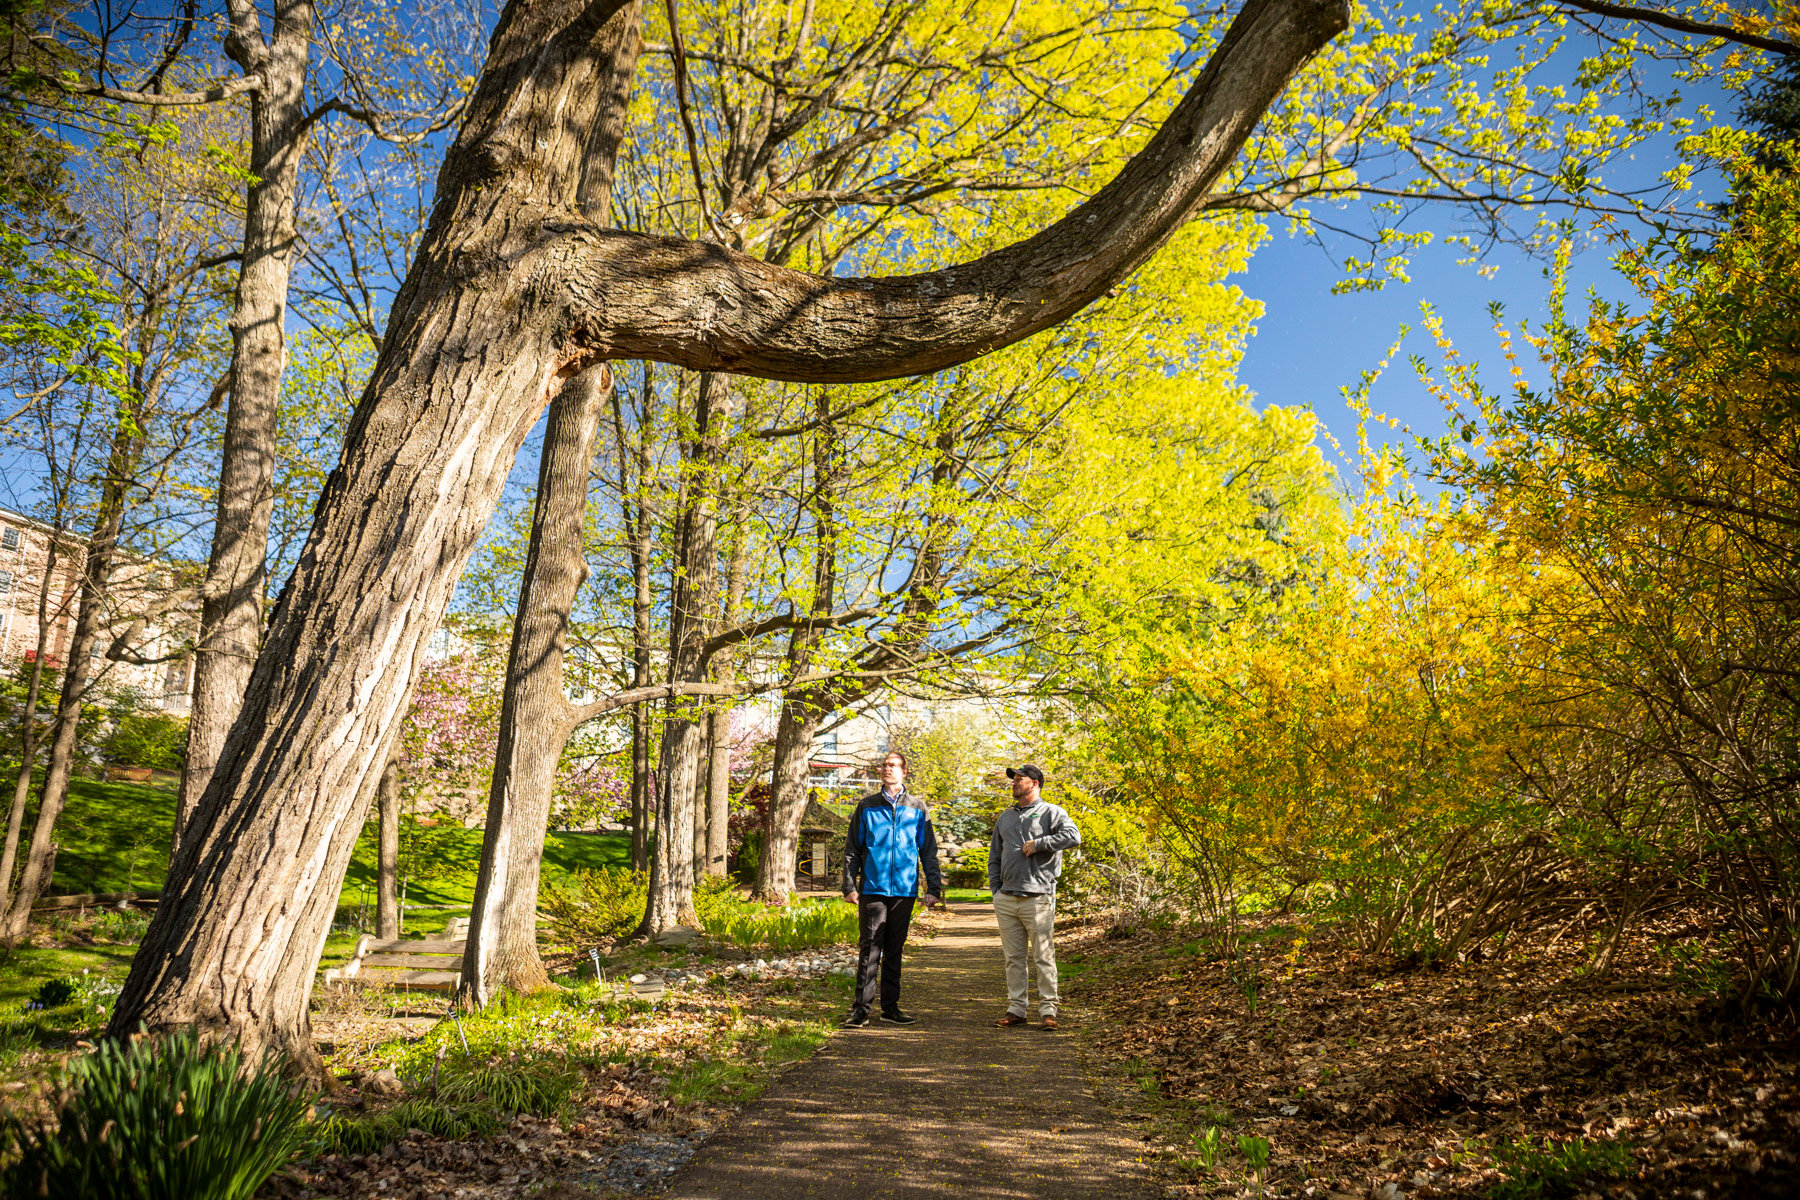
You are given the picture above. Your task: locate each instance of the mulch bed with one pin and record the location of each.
(1369, 1080)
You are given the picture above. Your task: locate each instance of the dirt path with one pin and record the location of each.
(950, 1107)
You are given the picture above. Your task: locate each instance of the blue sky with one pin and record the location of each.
(1311, 343)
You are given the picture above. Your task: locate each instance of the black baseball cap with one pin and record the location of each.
(1028, 770)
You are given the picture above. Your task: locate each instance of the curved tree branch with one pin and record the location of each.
(710, 308)
(1711, 29)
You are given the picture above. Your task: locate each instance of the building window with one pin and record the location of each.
(828, 742)
(10, 539)
(5, 580)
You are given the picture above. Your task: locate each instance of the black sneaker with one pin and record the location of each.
(856, 1020)
(895, 1017)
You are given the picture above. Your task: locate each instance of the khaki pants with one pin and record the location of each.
(1028, 934)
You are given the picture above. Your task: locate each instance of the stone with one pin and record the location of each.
(675, 936)
(384, 1083)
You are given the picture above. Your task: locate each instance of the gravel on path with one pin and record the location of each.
(949, 1107)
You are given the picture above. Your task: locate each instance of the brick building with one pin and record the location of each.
(139, 586)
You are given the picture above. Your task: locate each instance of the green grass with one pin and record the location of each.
(453, 855)
(24, 970)
(113, 837)
(969, 895)
(1539, 1171)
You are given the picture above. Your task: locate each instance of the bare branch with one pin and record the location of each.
(1711, 29)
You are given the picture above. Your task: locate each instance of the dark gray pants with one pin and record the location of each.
(882, 922)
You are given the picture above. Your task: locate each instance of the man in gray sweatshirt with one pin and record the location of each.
(1024, 861)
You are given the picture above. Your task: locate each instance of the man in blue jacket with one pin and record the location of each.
(890, 835)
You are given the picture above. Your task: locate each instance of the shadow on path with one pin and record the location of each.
(950, 1107)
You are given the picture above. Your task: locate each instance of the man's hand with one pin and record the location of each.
(850, 897)
(1029, 848)
(933, 902)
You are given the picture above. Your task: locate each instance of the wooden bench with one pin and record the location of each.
(433, 966)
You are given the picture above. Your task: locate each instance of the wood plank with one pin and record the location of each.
(443, 961)
(96, 899)
(403, 946)
(393, 977)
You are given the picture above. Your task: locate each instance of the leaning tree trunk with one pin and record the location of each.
(90, 618)
(387, 852)
(509, 295)
(231, 607)
(28, 737)
(536, 717)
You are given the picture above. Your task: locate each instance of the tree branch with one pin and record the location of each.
(1711, 29)
(731, 312)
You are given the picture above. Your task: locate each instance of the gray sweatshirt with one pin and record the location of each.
(1008, 868)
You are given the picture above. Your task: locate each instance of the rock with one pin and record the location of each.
(640, 979)
(679, 935)
(384, 1083)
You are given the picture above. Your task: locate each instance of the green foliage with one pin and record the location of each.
(1254, 1149)
(1551, 1169)
(175, 1119)
(604, 906)
(341, 1134)
(597, 909)
(146, 739)
(804, 925)
(967, 869)
(512, 1083)
(82, 991)
(1206, 1147)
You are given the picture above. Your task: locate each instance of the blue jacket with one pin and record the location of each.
(886, 843)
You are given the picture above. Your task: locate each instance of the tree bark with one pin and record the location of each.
(90, 619)
(536, 718)
(794, 732)
(800, 710)
(718, 793)
(28, 737)
(702, 797)
(510, 295)
(718, 776)
(637, 530)
(693, 597)
(387, 854)
(231, 608)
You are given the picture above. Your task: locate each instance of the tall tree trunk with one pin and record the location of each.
(387, 853)
(536, 717)
(231, 607)
(508, 296)
(634, 464)
(800, 710)
(794, 732)
(702, 798)
(28, 734)
(718, 792)
(718, 776)
(90, 619)
(693, 597)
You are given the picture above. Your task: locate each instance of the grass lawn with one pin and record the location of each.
(115, 838)
(969, 895)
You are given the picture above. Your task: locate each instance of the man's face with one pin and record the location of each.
(1024, 788)
(893, 773)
